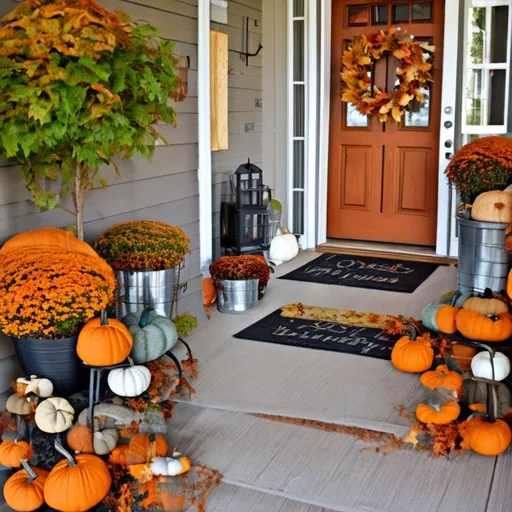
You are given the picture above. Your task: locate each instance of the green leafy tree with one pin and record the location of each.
(79, 85)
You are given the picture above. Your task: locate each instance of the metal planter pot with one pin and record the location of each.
(484, 261)
(237, 296)
(138, 290)
(56, 360)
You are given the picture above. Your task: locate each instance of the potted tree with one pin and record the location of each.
(147, 256)
(480, 171)
(79, 86)
(240, 282)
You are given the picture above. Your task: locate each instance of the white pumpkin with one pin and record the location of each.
(18, 404)
(481, 366)
(54, 415)
(493, 206)
(105, 441)
(284, 247)
(41, 387)
(131, 381)
(170, 466)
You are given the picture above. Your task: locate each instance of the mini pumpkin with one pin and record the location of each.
(509, 285)
(119, 455)
(171, 500)
(209, 292)
(105, 441)
(462, 355)
(486, 305)
(54, 415)
(283, 247)
(412, 353)
(80, 439)
(77, 484)
(443, 377)
(153, 335)
(440, 318)
(18, 404)
(438, 414)
(131, 381)
(12, 453)
(145, 447)
(170, 466)
(487, 437)
(104, 342)
(475, 326)
(24, 491)
(482, 367)
(41, 387)
(493, 206)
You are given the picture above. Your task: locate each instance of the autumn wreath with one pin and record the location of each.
(415, 61)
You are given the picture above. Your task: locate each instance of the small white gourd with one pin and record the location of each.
(131, 381)
(481, 366)
(43, 388)
(105, 441)
(54, 415)
(170, 466)
(284, 247)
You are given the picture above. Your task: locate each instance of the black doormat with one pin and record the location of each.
(364, 272)
(321, 335)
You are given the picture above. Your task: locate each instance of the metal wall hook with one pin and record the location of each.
(247, 53)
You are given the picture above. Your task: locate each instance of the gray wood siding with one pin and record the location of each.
(165, 189)
(245, 86)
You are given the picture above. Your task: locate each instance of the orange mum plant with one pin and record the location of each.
(240, 268)
(143, 245)
(51, 293)
(481, 165)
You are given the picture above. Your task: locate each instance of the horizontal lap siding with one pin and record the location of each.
(164, 189)
(245, 86)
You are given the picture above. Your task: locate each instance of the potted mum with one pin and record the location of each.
(240, 281)
(147, 256)
(480, 172)
(49, 287)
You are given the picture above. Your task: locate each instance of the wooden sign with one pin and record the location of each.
(219, 90)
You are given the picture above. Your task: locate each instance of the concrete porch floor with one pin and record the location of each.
(276, 467)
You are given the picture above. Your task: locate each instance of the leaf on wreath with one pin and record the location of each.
(396, 113)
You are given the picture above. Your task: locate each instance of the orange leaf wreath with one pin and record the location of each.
(414, 72)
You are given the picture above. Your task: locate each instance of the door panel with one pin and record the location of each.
(383, 176)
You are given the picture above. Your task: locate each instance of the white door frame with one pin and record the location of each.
(204, 172)
(449, 96)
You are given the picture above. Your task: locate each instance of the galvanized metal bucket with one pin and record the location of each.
(237, 296)
(484, 261)
(138, 290)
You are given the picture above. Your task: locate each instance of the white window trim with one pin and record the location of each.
(204, 172)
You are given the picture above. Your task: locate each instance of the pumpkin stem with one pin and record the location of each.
(65, 453)
(492, 403)
(103, 317)
(144, 318)
(488, 294)
(485, 347)
(31, 473)
(412, 332)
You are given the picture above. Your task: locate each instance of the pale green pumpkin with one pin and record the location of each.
(153, 335)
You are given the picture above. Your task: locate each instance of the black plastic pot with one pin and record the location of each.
(5, 473)
(56, 360)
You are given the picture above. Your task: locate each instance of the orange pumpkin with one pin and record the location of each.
(24, 491)
(12, 452)
(48, 238)
(152, 494)
(77, 484)
(487, 437)
(119, 455)
(104, 342)
(475, 326)
(442, 377)
(145, 447)
(171, 501)
(509, 285)
(80, 439)
(463, 354)
(438, 414)
(412, 353)
(209, 292)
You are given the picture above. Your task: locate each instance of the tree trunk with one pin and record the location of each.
(79, 199)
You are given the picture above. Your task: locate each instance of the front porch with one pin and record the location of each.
(273, 466)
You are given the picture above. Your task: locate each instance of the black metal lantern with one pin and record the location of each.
(249, 186)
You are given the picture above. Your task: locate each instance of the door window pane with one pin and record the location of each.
(499, 34)
(474, 103)
(354, 118)
(497, 91)
(419, 116)
(298, 110)
(476, 35)
(298, 164)
(298, 8)
(380, 15)
(422, 11)
(400, 13)
(358, 16)
(298, 50)
(298, 212)
(485, 97)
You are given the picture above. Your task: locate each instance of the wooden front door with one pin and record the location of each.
(383, 176)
